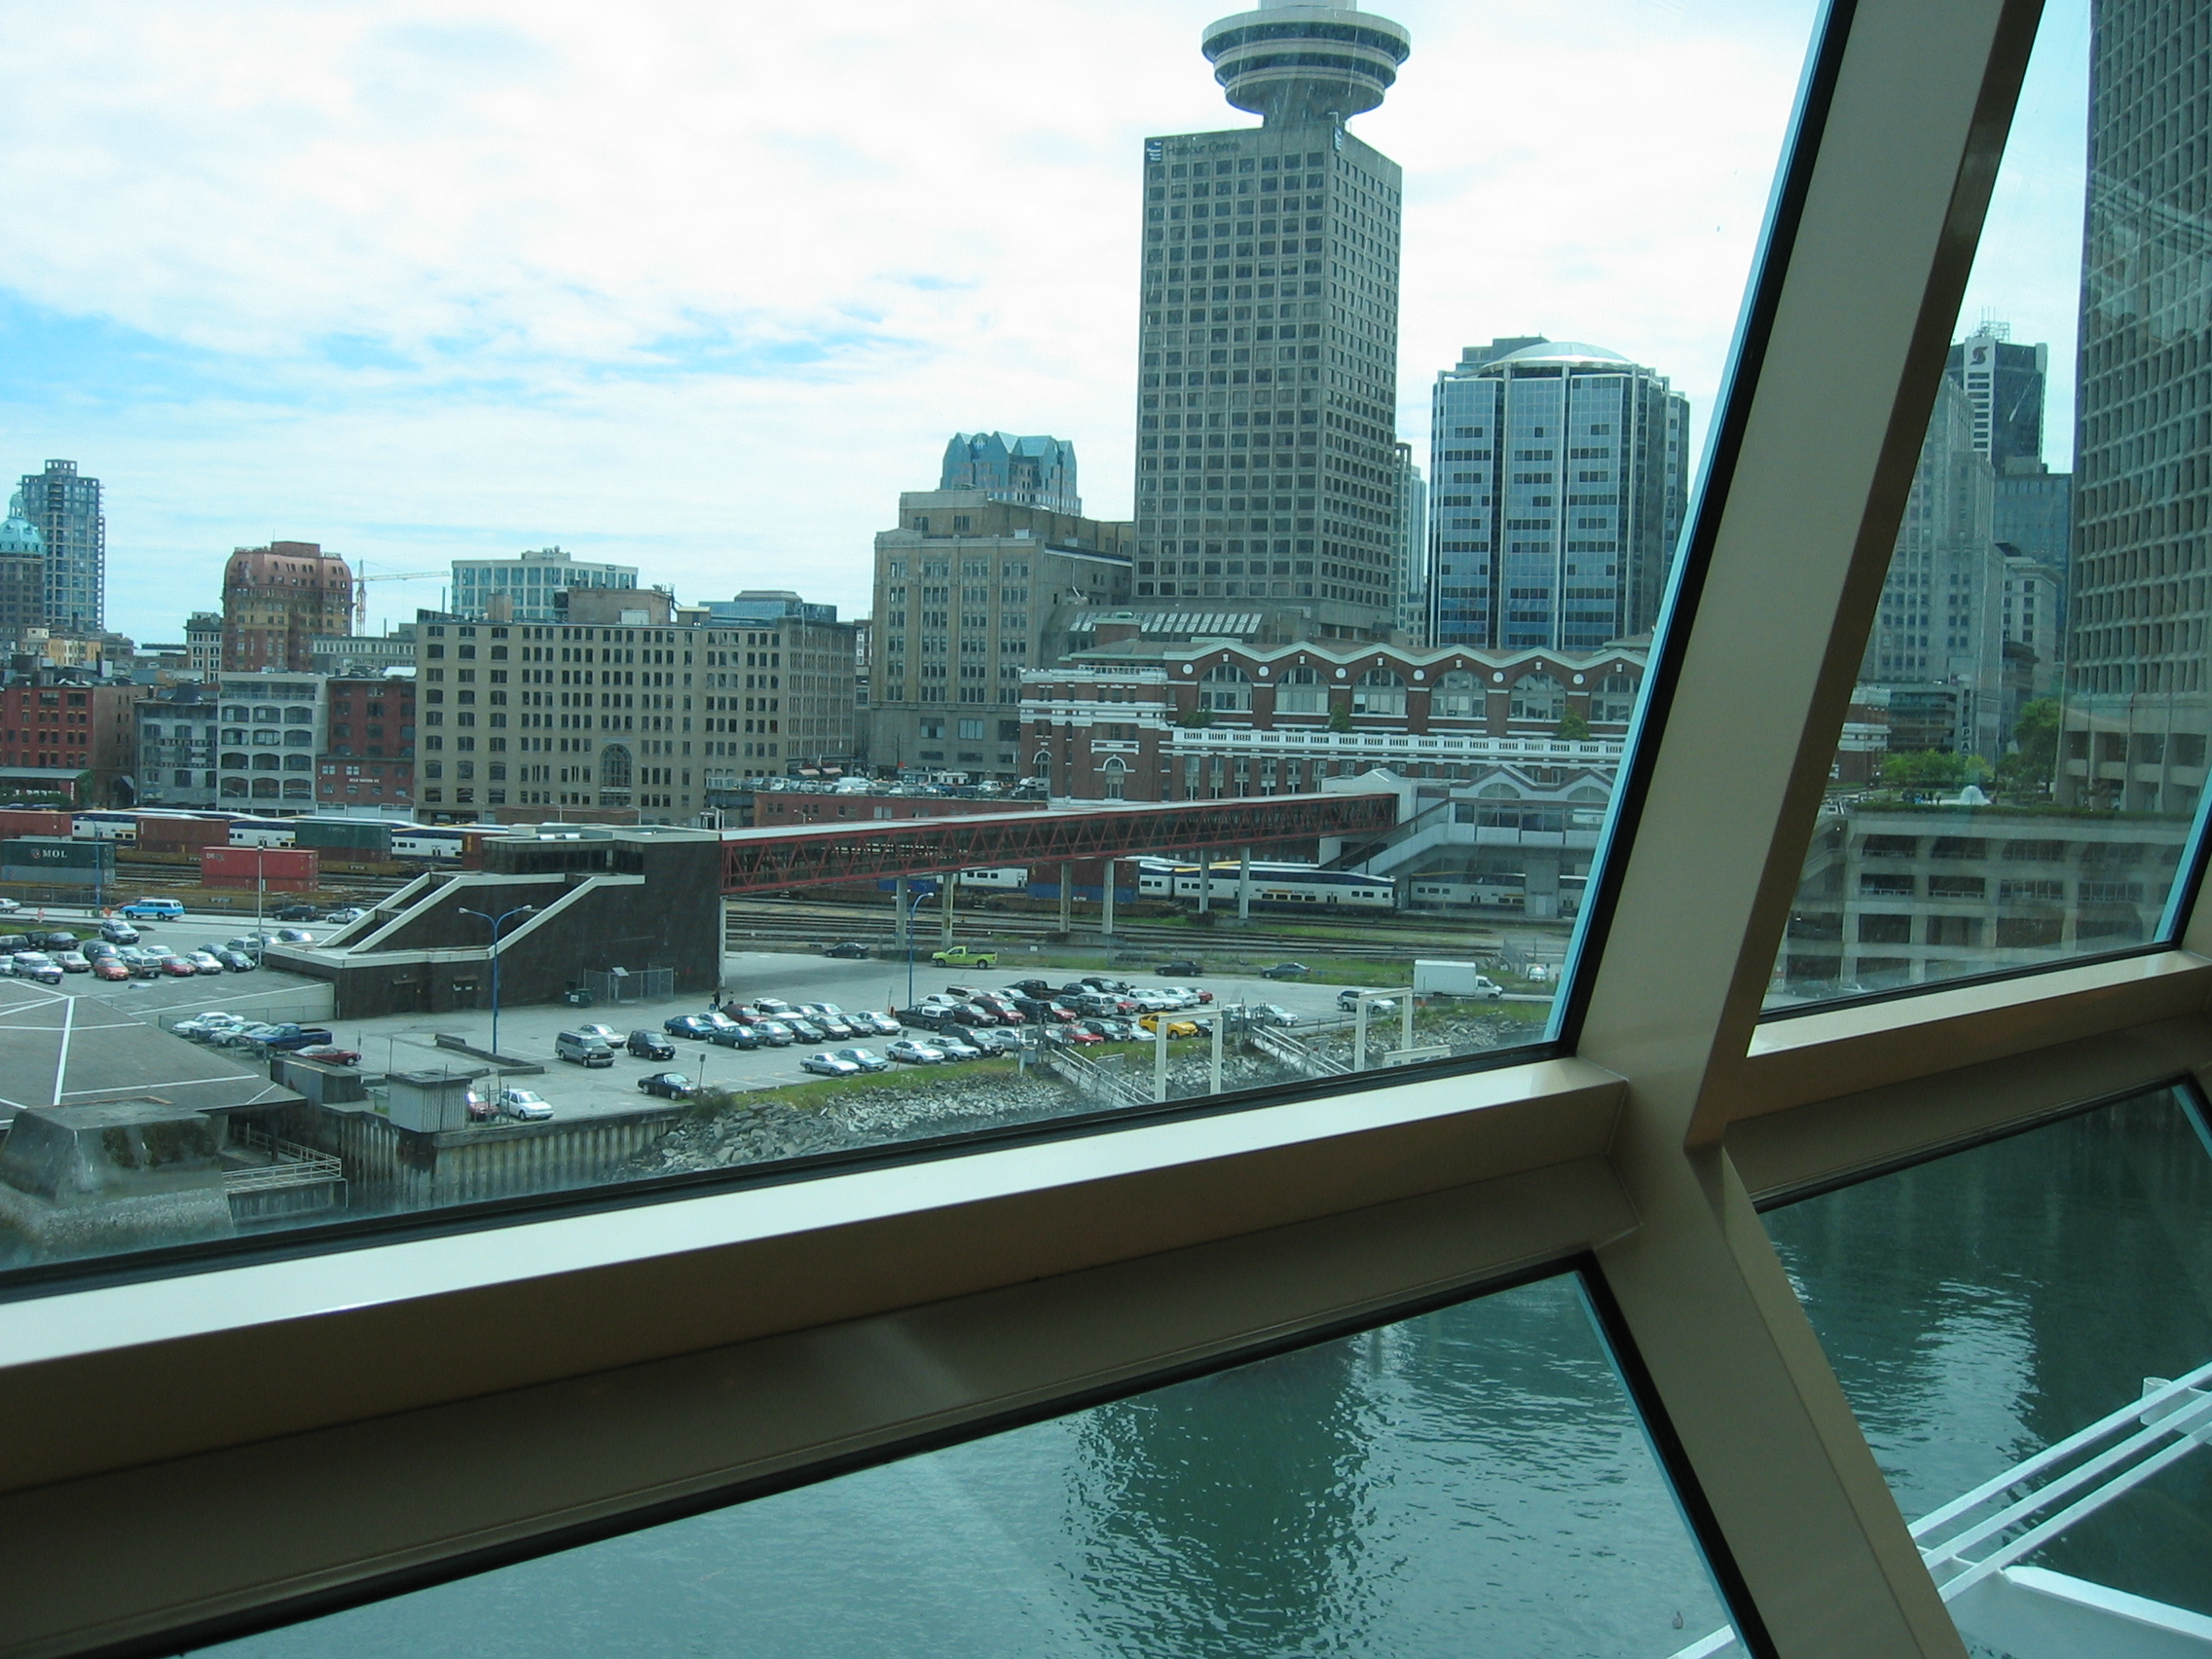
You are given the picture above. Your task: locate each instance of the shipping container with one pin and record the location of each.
(363, 838)
(277, 869)
(167, 835)
(58, 862)
(33, 821)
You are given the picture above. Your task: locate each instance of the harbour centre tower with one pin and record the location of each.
(1266, 447)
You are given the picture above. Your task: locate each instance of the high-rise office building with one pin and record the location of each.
(1941, 625)
(277, 597)
(2032, 509)
(2139, 702)
(1266, 444)
(2003, 386)
(1560, 474)
(1410, 576)
(524, 588)
(1028, 472)
(65, 508)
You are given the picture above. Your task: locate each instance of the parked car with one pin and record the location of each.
(774, 1032)
(344, 914)
(1537, 973)
(110, 968)
(827, 1064)
(1270, 1014)
(45, 973)
(668, 1085)
(153, 911)
(298, 913)
(204, 962)
(926, 1017)
(605, 1033)
(205, 1025)
(1031, 987)
(1347, 999)
(1081, 1033)
(1179, 969)
(9, 904)
(882, 1024)
(849, 950)
(802, 1029)
(865, 1060)
(235, 961)
(1108, 1030)
(915, 1054)
(584, 1048)
(329, 1053)
(481, 1110)
(1150, 1025)
(963, 956)
(695, 1026)
(289, 1037)
(524, 1105)
(56, 941)
(829, 1019)
(294, 936)
(1285, 971)
(117, 932)
(956, 1048)
(180, 967)
(1001, 1042)
(1192, 996)
(1110, 987)
(646, 1045)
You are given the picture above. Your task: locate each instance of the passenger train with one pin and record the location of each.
(432, 844)
(1277, 886)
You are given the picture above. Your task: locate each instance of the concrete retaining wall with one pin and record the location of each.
(389, 1167)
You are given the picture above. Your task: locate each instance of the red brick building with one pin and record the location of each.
(73, 727)
(369, 761)
(277, 597)
(1132, 720)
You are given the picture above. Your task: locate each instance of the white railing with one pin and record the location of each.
(1974, 1543)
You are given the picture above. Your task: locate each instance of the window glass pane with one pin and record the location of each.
(1473, 1480)
(1360, 568)
(2025, 756)
(2025, 1332)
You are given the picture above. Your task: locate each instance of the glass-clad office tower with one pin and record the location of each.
(65, 508)
(1266, 465)
(1559, 473)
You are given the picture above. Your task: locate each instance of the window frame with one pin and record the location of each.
(463, 1394)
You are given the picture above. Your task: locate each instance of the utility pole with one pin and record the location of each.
(1245, 884)
(1106, 894)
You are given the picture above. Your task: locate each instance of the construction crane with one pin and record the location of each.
(362, 580)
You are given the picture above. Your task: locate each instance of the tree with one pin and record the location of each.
(1574, 728)
(1195, 718)
(1923, 769)
(1339, 719)
(2033, 765)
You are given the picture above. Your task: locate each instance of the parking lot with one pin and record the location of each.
(404, 1042)
(408, 1042)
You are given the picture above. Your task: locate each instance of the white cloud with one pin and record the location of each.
(705, 286)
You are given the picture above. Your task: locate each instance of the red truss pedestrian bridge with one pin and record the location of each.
(767, 860)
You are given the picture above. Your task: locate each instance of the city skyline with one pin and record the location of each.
(332, 415)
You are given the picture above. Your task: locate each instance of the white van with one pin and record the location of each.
(583, 1047)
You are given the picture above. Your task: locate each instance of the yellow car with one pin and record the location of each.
(1175, 1027)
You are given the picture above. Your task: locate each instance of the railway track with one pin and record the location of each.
(800, 922)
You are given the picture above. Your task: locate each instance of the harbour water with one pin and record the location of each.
(1471, 1481)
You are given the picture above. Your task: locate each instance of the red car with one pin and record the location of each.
(108, 968)
(179, 967)
(330, 1055)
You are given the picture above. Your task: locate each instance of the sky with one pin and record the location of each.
(702, 287)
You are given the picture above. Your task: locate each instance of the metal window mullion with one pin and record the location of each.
(1871, 239)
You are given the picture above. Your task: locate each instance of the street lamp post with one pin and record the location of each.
(910, 909)
(497, 922)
